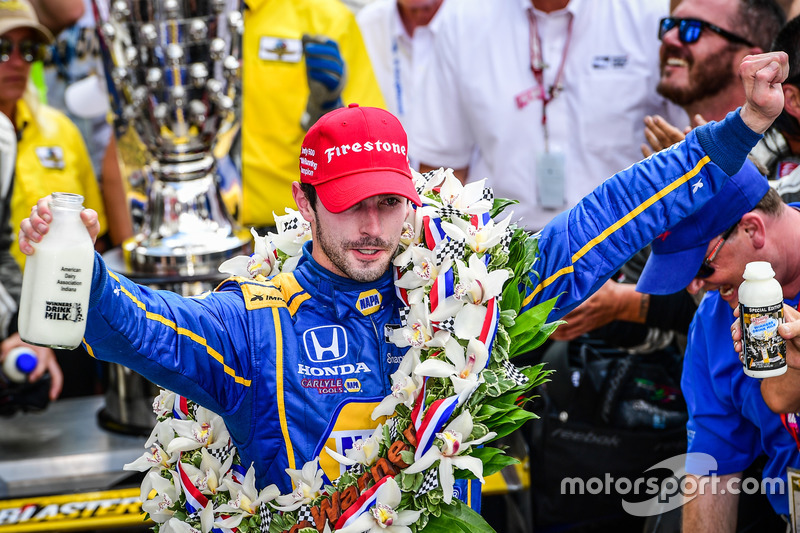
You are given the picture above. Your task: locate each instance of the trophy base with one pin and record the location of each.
(182, 255)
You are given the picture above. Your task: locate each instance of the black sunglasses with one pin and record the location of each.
(30, 50)
(706, 270)
(689, 30)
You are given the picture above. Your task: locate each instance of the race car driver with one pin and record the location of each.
(248, 351)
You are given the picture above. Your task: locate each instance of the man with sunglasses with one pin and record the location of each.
(728, 417)
(702, 44)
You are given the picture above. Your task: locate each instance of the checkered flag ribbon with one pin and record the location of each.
(305, 514)
(513, 374)
(290, 224)
(392, 423)
(356, 470)
(505, 240)
(266, 517)
(487, 194)
(404, 312)
(221, 454)
(427, 176)
(448, 324)
(430, 482)
(449, 211)
(448, 248)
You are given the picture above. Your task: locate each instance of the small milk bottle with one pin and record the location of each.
(761, 312)
(57, 279)
(19, 362)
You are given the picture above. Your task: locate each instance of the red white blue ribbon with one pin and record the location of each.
(434, 234)
(419, 405)
(238, 473)
(443, 286)
(361, 505)
(435, 418)
(489, 328)
(402, 294)
(196, 501)
(180, 409)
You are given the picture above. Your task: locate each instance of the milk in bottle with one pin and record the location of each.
(57, 279)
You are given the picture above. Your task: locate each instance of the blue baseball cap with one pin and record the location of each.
(676, 254)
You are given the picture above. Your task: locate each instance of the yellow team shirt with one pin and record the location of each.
(275, 93)
(50, 159)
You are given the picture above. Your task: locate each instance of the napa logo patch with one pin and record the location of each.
(51, 157)
(325, 344)
(369, 301)
(352, 385)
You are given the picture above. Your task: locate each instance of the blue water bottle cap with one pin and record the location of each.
(26, 362)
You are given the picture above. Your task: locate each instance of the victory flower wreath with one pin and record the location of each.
(460, 273)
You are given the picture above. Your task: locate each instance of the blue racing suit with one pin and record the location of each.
(299, 362)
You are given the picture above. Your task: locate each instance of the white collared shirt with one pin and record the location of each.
(482, 62)
(399, 60)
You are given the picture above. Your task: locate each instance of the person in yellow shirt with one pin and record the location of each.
(288, 82)
(51, 155)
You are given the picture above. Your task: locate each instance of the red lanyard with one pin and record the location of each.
(538, 65)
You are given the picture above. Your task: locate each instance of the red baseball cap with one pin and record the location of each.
(353, 153)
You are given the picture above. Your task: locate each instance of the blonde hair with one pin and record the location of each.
(33, 100)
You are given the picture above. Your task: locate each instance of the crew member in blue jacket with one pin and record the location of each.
(273, 358)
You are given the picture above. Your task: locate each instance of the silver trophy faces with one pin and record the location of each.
(173, 73)
(173, 70)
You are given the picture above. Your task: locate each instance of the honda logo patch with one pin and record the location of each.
(325, 344)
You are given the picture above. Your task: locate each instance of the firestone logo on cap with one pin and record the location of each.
(351, 140)
(308, 166)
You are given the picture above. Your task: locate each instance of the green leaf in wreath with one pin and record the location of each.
(457, 517)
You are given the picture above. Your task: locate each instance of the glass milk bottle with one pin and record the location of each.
(761, 312)
(57, 279)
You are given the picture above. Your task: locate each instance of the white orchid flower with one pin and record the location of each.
(163, 403)
(155, 458)
(166, 496)
(467, 198)
(207, 430)
(424, 269)
(405, 389)
(363, 452)
(465, 370)
(478, 239)
(173, 525)
(261, 262)
(476, 284)
(245, 499)
(382, 517)
(307, 482)
(209, 477)
(418, 332)
(428, 184)
(469, 320)
(290, 241)
(413, 231)
(448, 454)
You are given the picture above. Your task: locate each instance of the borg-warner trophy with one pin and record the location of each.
(173, 74)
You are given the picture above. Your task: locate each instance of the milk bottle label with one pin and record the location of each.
(763, 347)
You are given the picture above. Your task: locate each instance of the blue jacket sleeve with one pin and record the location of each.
(183, 344)
(581, 248)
